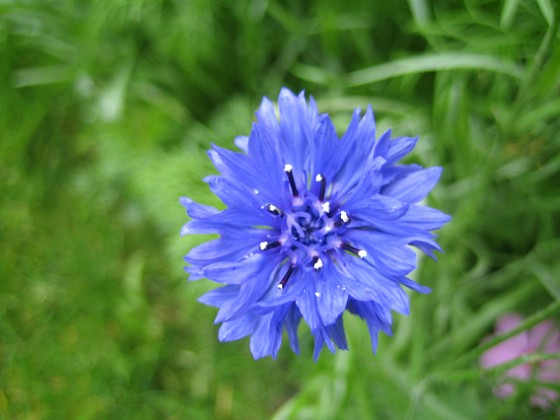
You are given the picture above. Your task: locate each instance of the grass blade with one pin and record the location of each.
(432, 62)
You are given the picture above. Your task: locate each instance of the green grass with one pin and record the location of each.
(106, 110)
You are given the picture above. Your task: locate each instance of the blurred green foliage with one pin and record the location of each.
(106, 110)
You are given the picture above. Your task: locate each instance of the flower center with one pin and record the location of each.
(310, 228)
(306, 225)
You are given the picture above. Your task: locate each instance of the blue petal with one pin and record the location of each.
(331, 162)
(400, 147)
(295, 132)
(196, 210)
(405, 281)
(415, 186)
(369, 312)
(229, 272)
(377, 210)
(368, 186)
(248, 196)
(358, 289)
(234, 166)
(291, 324)
(325, 143)
(230, 221)
(276, 297)
(255, 279)
(321, 337)
(231, 194)
(225, 248)
(389, 293)
(331, 335)
(307, 304)
(427, 246)
(366, 132)
(233, 272)
(268, 174)
(237, 328)
(197, 227)
(414, 227)
(185, 229)
(242, 142)
(219, 296)
(389, 254)
(267, 338)
(392, 173)
(356, 150)
(195, 273)
(312, 111)
(383, 145)
(246, 218)
(336, 332)
(330, 297)
(266, 116)
(425, 217)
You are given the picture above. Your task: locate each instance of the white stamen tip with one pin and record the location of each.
(317, 294)
(263, 246)
(288, 167)
(318, 264)
(326, 206)
(362, 253)
(280, 286)
(319, 178)
(328, 228)
(344, 216)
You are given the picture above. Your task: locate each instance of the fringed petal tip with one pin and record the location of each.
(194, 273)
(195, 210)
(242, 143)
(417, 287)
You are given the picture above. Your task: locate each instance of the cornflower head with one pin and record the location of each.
(313, 226)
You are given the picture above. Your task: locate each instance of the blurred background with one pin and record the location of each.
(106, 111)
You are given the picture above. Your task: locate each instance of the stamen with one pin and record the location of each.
(320, 178)
(288, 169)
(317, 263)
(286, 277)
(344, 219)
(271, 208)
(362, 253)
(264, 245)
(326, 206)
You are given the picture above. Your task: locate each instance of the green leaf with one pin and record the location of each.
(420, 11)
(548, 276)
(433, 62)
(41, 75)
(547, 10)
(508, 13)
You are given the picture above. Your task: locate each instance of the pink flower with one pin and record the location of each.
(542, 338)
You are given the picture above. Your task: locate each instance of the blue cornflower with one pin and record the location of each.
(314, 225)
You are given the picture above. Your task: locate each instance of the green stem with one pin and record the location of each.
(528, 323)
(498, 370)
(545, 47)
